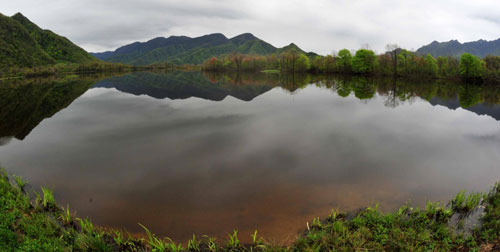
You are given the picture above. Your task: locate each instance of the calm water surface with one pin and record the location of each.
(185, 153)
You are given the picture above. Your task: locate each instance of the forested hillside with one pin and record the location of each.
(186, 50)
(24, 44)
(480, 48)
(57, 47)
(17, 46)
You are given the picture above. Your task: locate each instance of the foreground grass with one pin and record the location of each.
(37, 224)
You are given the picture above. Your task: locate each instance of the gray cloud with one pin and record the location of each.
(320, 26)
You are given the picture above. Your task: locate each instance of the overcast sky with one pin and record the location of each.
(320, 26)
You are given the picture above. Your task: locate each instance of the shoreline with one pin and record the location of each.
(33, 218)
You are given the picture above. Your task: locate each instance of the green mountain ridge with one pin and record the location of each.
(18, 47)
(186, 50)
(480, 48)
(24, 44)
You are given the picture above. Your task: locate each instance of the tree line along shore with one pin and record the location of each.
(395, 62)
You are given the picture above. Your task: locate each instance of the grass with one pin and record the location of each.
(66, 217)
(20, 182)
(193, 244)
(271, 71)
(466, 204)
(39, 225)
(233, 243)
(48, 198)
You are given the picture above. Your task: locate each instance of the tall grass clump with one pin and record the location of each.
(490, 222)
(466, 204)
(65, 216)
(161, 245)
(20, 182)
(193, 244)
(48, 199)
(233, 243)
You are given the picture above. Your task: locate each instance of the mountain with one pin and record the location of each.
(57, 47)
(186, 50)
(24, 44)
(18, 47)
(480, 48)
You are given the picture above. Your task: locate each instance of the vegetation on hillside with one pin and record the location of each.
(184, 50)
(32, 221)
(480, 48)
(24, 44)
(57, 47)
(18, 47)
(26, 50)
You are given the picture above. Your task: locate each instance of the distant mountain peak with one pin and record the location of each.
(23, 20)
(480, 48)
(19, 15)
(291, 46)
(213, 37)
(217, 34)
(245, 36)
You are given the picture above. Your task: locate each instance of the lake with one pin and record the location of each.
(189, 152)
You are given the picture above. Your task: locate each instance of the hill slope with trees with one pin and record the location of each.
(480, 48)
(185, 50)
(24, 44)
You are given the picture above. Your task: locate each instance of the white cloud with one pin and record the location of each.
(320, 26)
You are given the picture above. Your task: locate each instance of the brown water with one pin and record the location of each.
(185, 153)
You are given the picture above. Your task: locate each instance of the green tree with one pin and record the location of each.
(318, 64)
(344, 61)
(288, 59)
(302, 63)
(406, 63)
(470, 66)
(364, 61)
(385, 65)
(329, 63)
(442, 63)
(431, 67)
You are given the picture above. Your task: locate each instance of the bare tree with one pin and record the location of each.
(238, 59)
(393, 50)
